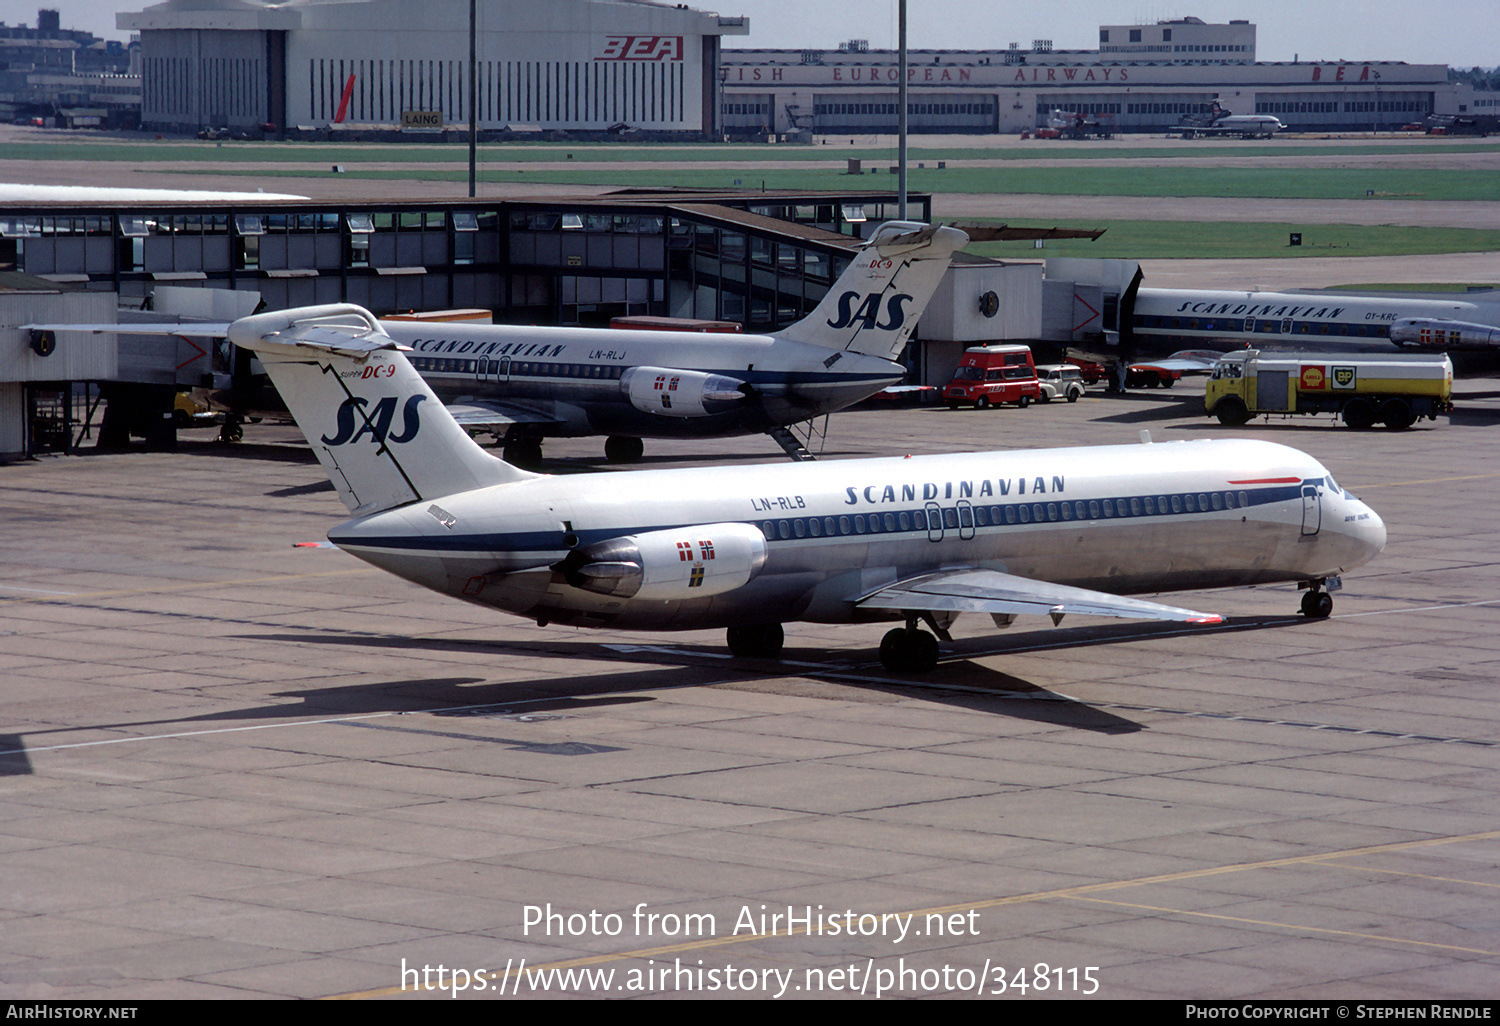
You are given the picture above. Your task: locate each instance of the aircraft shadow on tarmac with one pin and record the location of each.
(958, 681)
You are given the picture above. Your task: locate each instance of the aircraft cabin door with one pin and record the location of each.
(965, 520)
(934, 522)
(1312, 510)
(490, 372)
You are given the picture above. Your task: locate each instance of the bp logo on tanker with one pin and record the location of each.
(1343, 377)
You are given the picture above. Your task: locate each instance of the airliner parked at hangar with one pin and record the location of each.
(918, 540)
(1246, 126)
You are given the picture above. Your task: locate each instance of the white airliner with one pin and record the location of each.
(1164, 320)
(1246, 126)
(751, 548)
(534, 382)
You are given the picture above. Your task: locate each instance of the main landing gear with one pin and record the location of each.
(623, 449)
(756, 641)
(910, 649)
(523, 451)
(1317, 603)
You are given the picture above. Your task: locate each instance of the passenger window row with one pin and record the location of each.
(518, 368)
(933, 519)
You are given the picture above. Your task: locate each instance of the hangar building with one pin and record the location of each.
(1143, 78)
(575, 65)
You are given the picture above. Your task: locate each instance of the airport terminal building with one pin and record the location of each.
(574, 65)
(1143, 78)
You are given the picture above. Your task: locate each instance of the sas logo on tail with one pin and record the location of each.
(868, 311)
(377, 423)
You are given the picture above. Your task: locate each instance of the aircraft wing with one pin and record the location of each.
(207, 329)
(481, 415)
(974, 590)
(1188, 361)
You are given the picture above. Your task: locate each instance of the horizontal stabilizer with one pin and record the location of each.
(989, 591)
(876, 302)
(375, 425)
(341, 328)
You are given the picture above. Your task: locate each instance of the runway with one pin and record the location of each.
(232, 767)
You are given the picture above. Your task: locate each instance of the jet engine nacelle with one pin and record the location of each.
(678, 563)
(1431, 333)
(680, 393)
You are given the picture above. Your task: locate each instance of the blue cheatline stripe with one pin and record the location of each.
(846, 526)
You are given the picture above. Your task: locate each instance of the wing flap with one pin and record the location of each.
(989, 591)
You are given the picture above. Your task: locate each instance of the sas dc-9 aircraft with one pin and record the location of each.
(529, 383)
(916, 540)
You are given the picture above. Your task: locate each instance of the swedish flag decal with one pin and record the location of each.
(695, 579)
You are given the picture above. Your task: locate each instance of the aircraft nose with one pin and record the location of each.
(1368, 531)
(1375, 533)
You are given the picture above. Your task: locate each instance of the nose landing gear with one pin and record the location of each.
(1317, 603)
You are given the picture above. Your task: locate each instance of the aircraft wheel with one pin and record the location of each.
(982, 403)
(756, 641)
(1397, 414)
(908, 651)
(1231, 412)
(1023, 402)
(1359, 413)
(232, 431)
(623, 449)
(523, 452)
(1316, 605)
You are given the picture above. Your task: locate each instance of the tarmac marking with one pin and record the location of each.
(1430, 480)
(59, 596)
(1079, 892)
(1417, 876)
(1294, 927)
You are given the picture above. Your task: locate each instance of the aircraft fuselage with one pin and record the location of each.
(1165, 321)
(572, 377)
(1124, 519)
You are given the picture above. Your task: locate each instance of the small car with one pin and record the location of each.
(1060, 381)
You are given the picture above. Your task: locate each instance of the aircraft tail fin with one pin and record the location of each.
(381, 434)
(874, 305)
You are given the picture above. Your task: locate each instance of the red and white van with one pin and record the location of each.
(990, 375)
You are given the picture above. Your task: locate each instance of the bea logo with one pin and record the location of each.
(377, 423)
(869, 310)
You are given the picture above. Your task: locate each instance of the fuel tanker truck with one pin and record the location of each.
(1360, 389)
